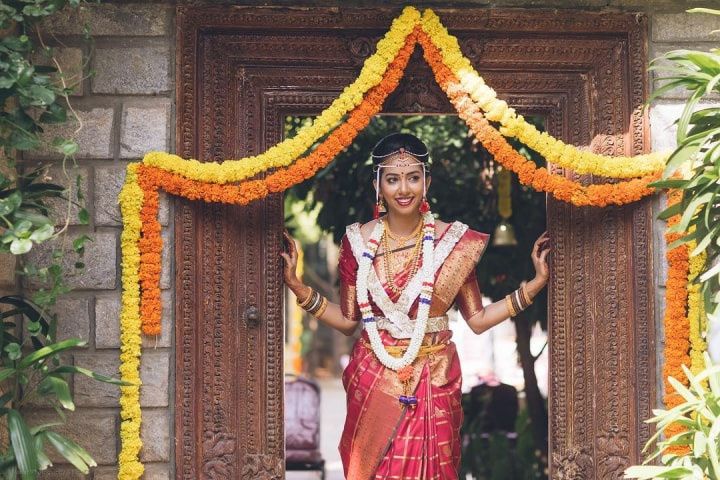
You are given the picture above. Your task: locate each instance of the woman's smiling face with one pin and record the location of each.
(401, 184)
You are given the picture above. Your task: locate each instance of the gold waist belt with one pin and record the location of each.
(405, 329)
(398, 351)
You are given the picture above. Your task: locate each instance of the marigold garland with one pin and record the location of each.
(150, 258)
(528, 173)
(696, 311)
(677, 328)
(131, 200)
(514, 125)
(284, 153)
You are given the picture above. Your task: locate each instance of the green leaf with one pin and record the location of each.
(20, 246)
(43, 233)
(83, 216)
(10, 204)
(41, 95)
(49, 350)
(13, 351)
(89, 373)
(75, 454)
(646, 472)
(6, 373)
(61, 389)
(23, 445)
(65, 146)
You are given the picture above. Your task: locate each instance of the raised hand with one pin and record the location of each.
(539, 258)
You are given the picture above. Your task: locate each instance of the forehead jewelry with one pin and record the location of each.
(401, 154)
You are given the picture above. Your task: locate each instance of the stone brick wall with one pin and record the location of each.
(127, 108)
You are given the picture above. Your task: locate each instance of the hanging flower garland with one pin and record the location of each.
(697, 319)
(528, 173)
(513, 125)
(150, 258)
(284, 153)
(131, 200)
(677, 329)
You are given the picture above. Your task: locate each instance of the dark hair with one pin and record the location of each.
(394, 142)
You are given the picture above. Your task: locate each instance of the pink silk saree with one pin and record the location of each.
(382, 439)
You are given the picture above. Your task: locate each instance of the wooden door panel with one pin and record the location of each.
(240, 71)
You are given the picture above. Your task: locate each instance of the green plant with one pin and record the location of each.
(33, 96)
(700, 415)
(32, 369)
(698, 155)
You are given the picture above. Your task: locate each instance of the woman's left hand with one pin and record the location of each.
(539, 258)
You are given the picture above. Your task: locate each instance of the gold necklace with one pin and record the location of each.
(387, 262)
(398, 238)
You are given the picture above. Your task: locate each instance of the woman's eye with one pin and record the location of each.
(391, 180)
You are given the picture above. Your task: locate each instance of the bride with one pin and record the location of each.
(399, 275)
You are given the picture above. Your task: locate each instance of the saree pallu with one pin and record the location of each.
(384, 440)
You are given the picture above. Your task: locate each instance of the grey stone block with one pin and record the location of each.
(144, 129)
(93, 139)
(155, 434)
(108, 182)
(154, 373)
(60, 472)
(73, 316)
(683, 27)
(62, 210)
(90, 392)
(132, 70)
(100, 262)
(662, 130)
(70, 60)
(96, 431)
(107, 322)
(136, 19)
(167, 258)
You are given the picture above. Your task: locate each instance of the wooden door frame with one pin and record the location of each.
(584, 71)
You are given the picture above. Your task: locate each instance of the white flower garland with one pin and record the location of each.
(427, 273)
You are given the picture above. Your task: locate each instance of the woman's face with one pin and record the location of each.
(401, 185)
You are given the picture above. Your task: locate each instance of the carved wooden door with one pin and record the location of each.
(240, 71)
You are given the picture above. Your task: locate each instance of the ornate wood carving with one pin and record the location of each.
(241, 70)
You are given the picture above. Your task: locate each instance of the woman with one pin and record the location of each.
(399, 275)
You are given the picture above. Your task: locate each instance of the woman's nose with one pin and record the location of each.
(404, 186)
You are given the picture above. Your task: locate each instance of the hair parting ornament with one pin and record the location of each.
(400, 154)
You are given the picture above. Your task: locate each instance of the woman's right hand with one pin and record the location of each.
(291, 258)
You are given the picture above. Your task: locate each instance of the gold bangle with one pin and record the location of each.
(317, 298)
(526, 296)
(303, 304)
(515, 297)
(322, 308)
(509, 305)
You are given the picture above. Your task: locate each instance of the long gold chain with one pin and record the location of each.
(387, 262)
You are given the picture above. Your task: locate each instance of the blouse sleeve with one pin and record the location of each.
(347, 270)
(469, 298)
